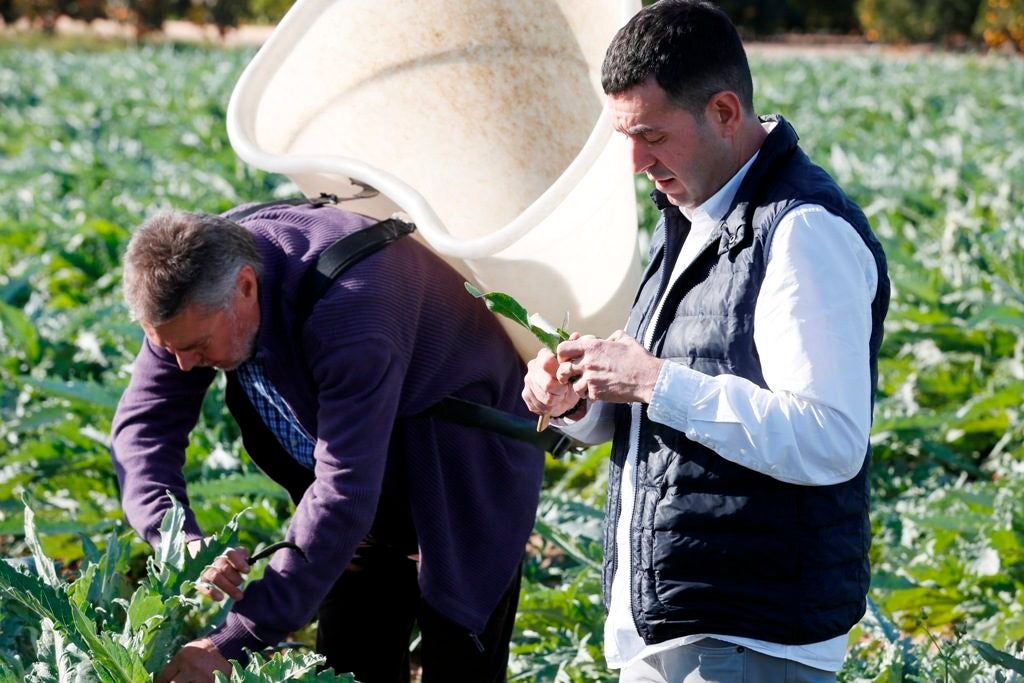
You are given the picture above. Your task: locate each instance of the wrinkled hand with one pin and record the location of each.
(194, 663)
(617, 369)
(543, 393)
(224, 574)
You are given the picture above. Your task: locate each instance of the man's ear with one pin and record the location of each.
(724, 112)
(246, 282)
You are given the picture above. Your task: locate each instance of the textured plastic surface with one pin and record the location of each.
(480, 120)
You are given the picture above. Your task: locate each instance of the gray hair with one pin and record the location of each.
(177, 259)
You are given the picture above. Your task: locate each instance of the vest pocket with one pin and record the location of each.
(710, 549)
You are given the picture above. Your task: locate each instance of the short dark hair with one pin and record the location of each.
(690, 47)
(177, 259)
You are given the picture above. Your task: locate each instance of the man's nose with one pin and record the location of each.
(186, 359)
(642, 159)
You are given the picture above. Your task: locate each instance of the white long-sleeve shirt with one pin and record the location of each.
(812, 325)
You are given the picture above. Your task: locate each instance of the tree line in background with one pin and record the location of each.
(995, 23)
(146, 15)
(951, 22)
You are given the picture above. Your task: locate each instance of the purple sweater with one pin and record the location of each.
(392, 336)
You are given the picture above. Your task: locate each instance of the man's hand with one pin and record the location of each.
(543, 393)
(225, 573)
(194, 663)
(616, 370)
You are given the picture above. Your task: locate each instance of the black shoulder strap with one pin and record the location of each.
(342, 255)
(352, 248)
(470, 414)
(339, 256)
(345, 253)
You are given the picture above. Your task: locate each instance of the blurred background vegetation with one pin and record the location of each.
(993, 23)
(94, 139)
(96, 136)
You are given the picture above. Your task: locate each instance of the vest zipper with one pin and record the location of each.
(661, 299)
(666, 274)
(636, 495)
(636, 482)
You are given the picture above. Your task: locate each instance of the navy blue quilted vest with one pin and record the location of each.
(715, 547)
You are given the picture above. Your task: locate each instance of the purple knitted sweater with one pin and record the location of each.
(391, 337)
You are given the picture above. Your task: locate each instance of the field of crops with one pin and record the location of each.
(92, 141)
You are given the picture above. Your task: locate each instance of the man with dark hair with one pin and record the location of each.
(739, 396)
(403, 518)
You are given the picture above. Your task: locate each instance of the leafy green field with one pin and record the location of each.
(93, 141)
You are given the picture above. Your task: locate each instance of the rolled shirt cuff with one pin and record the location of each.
(567, 423)
(593, 428)
(674, 393)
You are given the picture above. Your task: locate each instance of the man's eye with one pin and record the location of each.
(654, 139)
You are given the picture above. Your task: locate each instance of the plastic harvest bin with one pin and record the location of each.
(479, 120)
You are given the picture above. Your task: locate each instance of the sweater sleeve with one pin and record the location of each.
(360, 385)
(149, 435)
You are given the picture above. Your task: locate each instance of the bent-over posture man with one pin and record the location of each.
(404, 518)
(739, 395)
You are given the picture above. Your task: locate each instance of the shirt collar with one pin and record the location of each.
(717, 205)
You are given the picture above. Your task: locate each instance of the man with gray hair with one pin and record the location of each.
(405, 519)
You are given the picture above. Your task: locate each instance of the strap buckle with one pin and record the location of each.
(564, 445)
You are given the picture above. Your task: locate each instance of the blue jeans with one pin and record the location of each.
(716, 661)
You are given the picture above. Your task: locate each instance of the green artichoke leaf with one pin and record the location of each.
(503, 304)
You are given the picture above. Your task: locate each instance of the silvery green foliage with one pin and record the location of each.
(127, 639)
(58, 660)
(928, 146)
(282, 667)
